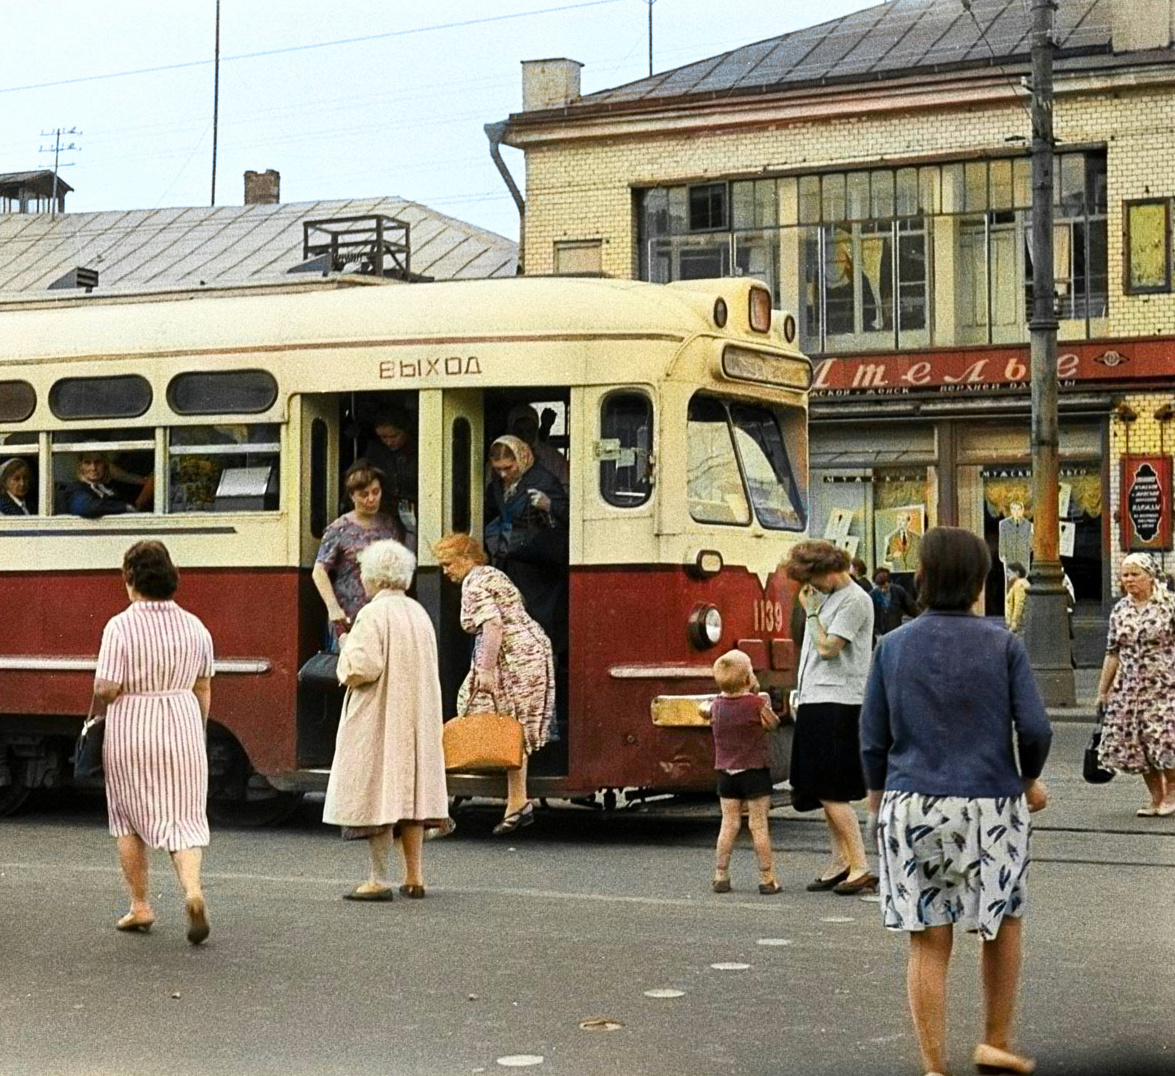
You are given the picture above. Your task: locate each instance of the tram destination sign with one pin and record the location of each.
(984, 370)
(1146, 503)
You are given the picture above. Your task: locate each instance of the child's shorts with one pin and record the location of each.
(745, 785)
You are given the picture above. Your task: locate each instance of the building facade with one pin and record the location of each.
(874, 171)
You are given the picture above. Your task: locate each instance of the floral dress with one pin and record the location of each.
(526, 666)
(1139, 731)
(339, 552)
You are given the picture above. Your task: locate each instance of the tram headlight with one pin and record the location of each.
(705, 627)
(759, 310)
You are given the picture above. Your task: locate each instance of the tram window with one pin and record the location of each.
(714, 485)
(222, 392)
(462, 468)
(319, 444)
(224, 468)
(763, 454)
(100, 473)
(18, 399)
(626, 418)
(122, 396)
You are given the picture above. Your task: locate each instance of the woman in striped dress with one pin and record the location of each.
(154, 683)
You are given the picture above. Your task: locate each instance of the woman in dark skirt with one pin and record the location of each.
(834, 665)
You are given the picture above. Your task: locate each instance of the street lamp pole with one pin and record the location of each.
(1046, 619)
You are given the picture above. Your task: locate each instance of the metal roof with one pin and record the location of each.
(887, 40)
(225, 245)
(43, 178)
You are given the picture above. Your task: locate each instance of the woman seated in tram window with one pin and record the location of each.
(97, 492)
(526, 533)
(16, 481)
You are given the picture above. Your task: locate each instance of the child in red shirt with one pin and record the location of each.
(740, 719)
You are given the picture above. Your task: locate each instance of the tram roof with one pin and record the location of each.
(461, 311)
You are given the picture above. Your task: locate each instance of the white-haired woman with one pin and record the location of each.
(1137, 686)
(388, 776)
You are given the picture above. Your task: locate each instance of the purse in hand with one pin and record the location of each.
(321, 672)
(87, 753)
(1091, 769)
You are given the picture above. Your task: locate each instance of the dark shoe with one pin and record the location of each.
(821, 885)
(198, 929)
(857, 885)
(991, 1059)
(369, 894)
(515, 821)
(413, 892)
(720, 885)
(769, 889)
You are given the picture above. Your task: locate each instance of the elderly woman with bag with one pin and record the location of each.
(513, 669)
(954, 735)
(1137, 686)
(388, 777)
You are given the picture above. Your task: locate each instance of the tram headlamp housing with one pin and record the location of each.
(759, 310)
(720, 313)
(705, 627)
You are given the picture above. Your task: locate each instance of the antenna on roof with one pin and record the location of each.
(56, 149)
(650, 4)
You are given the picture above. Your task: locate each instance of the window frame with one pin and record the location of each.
(1128, 207)
(752, 518)
(171, 389)
(650, 477)
(90, 417)
(16, 383)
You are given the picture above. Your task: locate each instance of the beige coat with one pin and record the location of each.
(388, 763)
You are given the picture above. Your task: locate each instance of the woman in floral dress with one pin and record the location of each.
(513, 669)
(1137, 686)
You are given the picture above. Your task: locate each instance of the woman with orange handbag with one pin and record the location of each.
(513, 669)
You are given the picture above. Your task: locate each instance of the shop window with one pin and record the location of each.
(222, 392)
(626, 436)
(714, 485)
(1148, 246)
(121, 396)
(99, 473)
(18, 400)
(224, 468)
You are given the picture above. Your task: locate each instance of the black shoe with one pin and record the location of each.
(821, 885)
(846, 888)
(515, 821)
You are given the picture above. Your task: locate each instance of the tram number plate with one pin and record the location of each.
(769, 616)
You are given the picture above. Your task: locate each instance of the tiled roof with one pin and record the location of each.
(225, 245)
(902, 36)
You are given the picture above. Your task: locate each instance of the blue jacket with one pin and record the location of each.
(946, 694)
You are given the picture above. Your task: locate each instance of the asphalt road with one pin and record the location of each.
(521, 940)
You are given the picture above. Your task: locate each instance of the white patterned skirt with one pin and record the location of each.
(948, 860)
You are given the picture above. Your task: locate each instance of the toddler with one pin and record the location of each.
(740, 719)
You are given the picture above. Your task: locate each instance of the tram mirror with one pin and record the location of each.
(608, 448)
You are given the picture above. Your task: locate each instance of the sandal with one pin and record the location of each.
(991, 1060)
(376, 895)
(135, 923)
(721, 883)
(1149, 811)
(517, 820)
(769, 889)
(198, 929)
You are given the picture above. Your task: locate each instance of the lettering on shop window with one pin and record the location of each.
(442, 366)
(769, 616)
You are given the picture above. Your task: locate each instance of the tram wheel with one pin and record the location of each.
(12, 797)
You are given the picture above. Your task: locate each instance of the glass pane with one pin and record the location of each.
(876, 279)
(652, 212)
(226, 392)
(678, 211)
(699, 259)
(95, 482)
(882, 184)
(742, 197)
(714, 486)
(912, 282)
(809, 199)
(907, 192)
(839, 293)
(1000, 177)
(1097, 270)
(1022, 182)
(18, 485)
(770, 480)
(18, 400)
(766, 204)
(125, 396)
(833, 189)
(1148, 258)
(858, 185)
(1071, 184)
(756, 254)
(952, 188)
(976, 181)
(625, 476)
(224, 468)
(929, 198)
(1095, 182)
(707, 207)
(810, 285)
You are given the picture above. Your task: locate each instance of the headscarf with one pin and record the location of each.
(8, 466)
(522, 454)
(1148, 564)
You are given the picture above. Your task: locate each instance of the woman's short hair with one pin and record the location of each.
(815, 557)
(392, 415)
(386, 565)
(361, 474)
(953, 569)
(881, 576)
(458, 546)
(860, 567)
(733, 671)
(147, 568)
(1017, 569)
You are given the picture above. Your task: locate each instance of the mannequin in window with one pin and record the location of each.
(1015, 540)
(903, 545)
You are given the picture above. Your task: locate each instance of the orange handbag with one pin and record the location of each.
(474, 742)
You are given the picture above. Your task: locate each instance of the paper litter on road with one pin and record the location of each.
(664, 992)
(730, 965)
(774, 941)
(520, 1061)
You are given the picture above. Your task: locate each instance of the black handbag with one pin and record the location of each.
(320, 672)
(544, 547)
(87, 753)
(1091, 769)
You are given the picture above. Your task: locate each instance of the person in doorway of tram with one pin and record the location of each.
(513, 669)
(393, 451)
(154, 685)
(94, 494)
(387, 780)
(1016, 598)
(15, 480)
(336, 568)
(954, 736)
(526, 533)
(523, 423)
(834, 661)
(1137, 686)
(891, 602)
(740, 719)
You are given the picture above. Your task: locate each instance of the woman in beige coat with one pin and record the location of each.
(388, 776)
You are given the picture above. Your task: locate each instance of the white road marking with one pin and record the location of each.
(664, 992)
(774, 941)
(520, 1061)
(730, 965)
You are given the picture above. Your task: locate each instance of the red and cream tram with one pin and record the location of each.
(681, 410)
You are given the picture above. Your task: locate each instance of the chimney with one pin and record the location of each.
(263, 188)
(549, 83)
(1140, 25)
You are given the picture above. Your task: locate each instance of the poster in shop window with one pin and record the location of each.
(898, 533)
(1146, 503)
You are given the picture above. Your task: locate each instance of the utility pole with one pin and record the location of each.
(215, 100)
(649, 4)
(1046, 620)
(56, 149)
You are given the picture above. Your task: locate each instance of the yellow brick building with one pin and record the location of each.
(874, 170)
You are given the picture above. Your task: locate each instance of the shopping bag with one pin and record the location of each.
(477, 742)
(1091, 769)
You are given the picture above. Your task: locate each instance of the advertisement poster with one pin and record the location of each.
(837, 528)
(898, 533)
(1146, 503)
(1068, 539)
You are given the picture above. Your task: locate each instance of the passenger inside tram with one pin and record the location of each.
(525, 424)
(391, 447)
(17, 492)
(95, 492)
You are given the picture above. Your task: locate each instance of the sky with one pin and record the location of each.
(353, 98)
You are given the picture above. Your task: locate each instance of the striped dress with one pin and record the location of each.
(155, 757)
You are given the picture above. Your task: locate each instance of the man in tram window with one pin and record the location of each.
(94, 493)
(393, 451)
(523, 423)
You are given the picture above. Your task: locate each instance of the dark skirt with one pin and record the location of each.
(826, 755)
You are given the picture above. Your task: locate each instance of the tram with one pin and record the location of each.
(680, 409)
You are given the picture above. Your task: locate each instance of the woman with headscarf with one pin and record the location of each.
(526, 533)
(15, 480)
(1137, 687)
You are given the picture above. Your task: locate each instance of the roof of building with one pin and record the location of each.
(11, 182)
(884, 41)
(147, 249)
